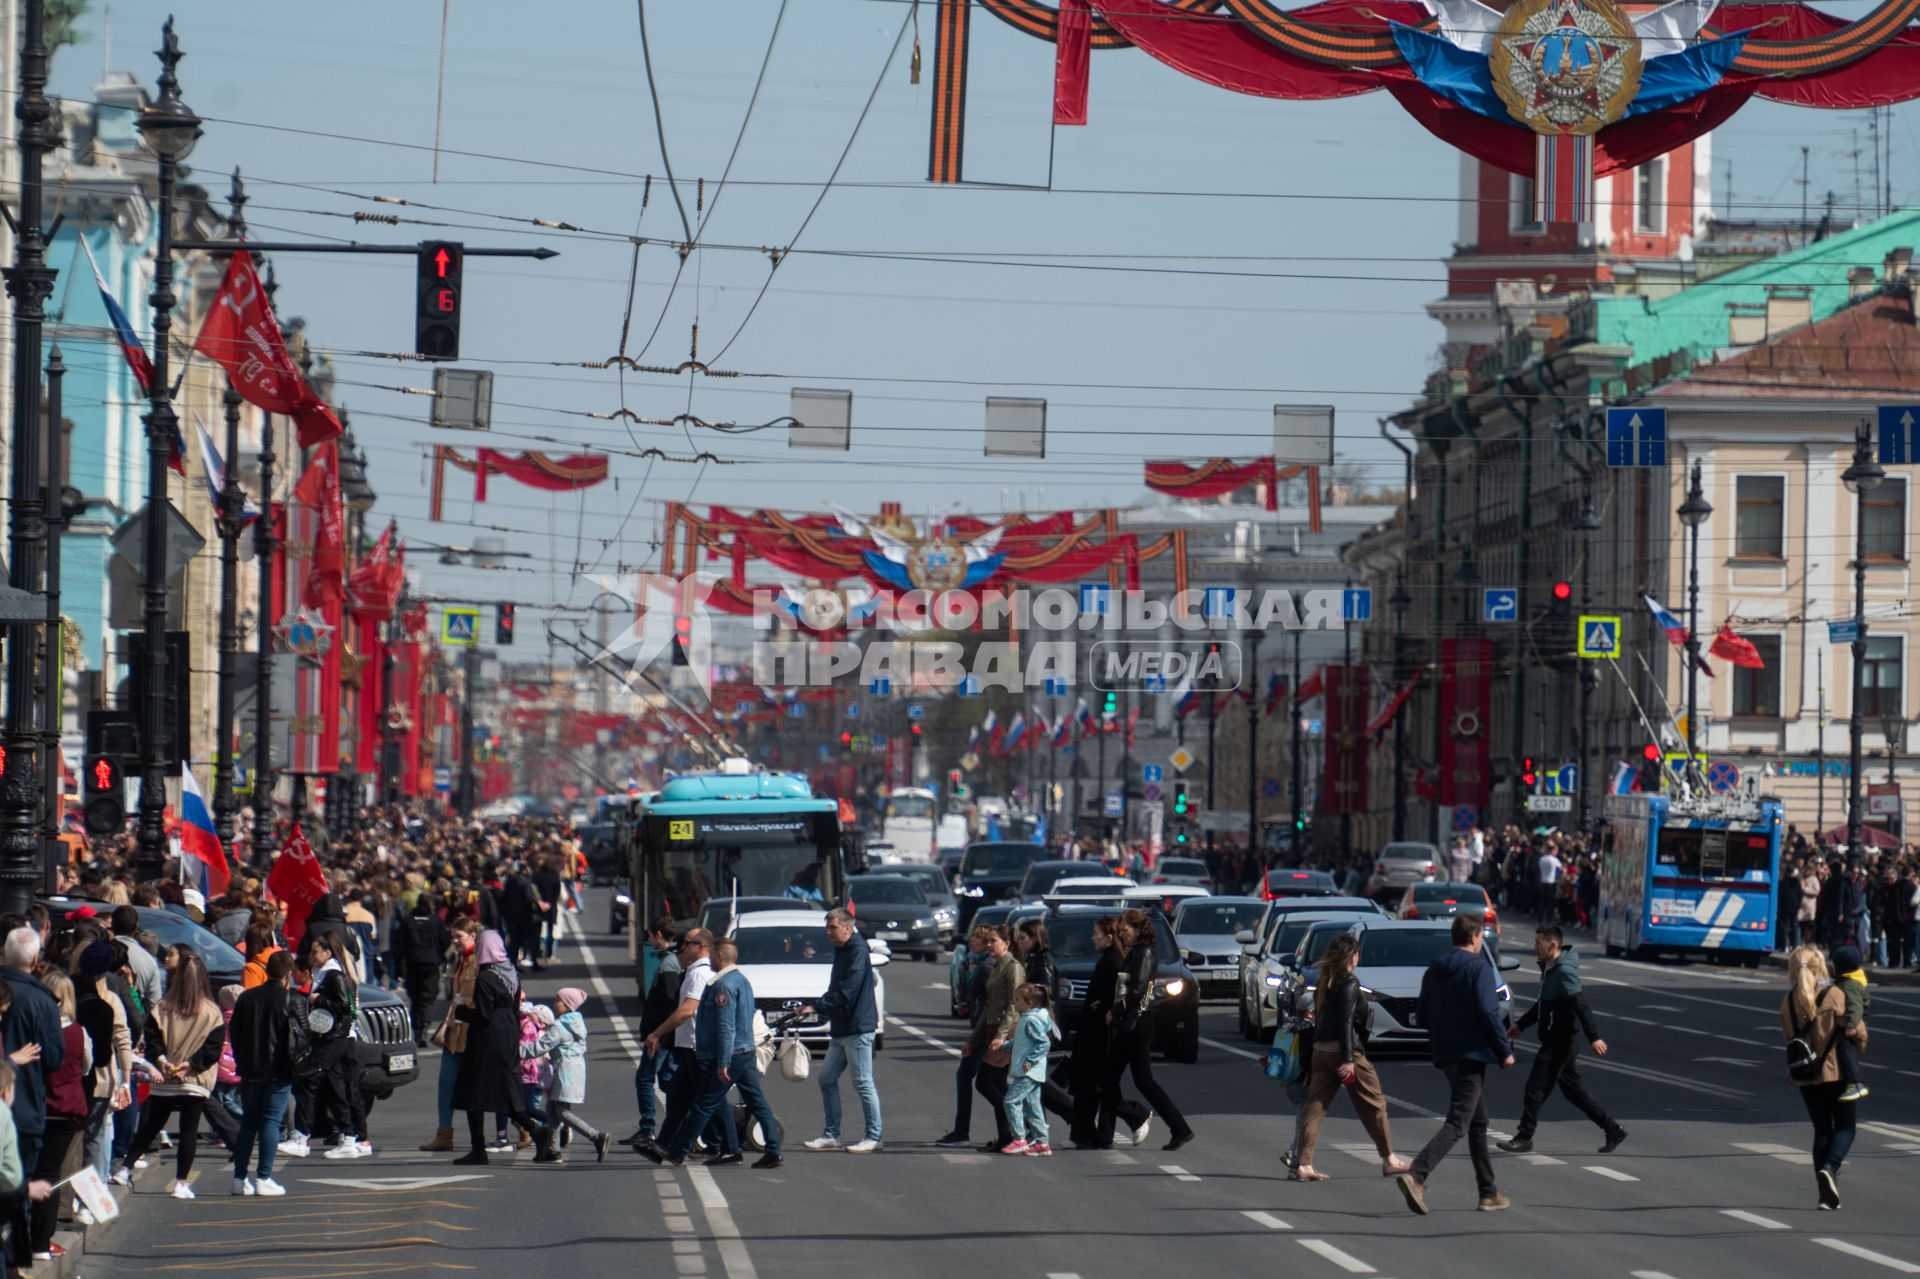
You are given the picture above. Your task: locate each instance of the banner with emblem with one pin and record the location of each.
(1344, 789)
(1466, 688)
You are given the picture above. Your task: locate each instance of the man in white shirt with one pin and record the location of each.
(1550, 868)
(696, 977)
(1477, 846)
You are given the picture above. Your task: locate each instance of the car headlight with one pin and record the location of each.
(1175, 986)
(621, 899)
(943, 916)
(1506, 995)
(972, 890)
(1274, 981)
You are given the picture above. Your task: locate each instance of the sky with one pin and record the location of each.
(1200, 257)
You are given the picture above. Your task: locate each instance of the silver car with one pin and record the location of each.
(1205, 929)
(1401, 863)
(1267, 957)
(1394, 954)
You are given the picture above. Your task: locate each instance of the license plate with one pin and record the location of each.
(892, 936)
(400, 1062)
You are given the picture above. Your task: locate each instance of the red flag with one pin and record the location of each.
(319, 489)
(242, 336)
(1735, 649)
(1072, 55)
(296, 882)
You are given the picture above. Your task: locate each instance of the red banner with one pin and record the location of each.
(1345, 788)
(319, 490)
(296, 882)
(1073, 56)
(1466, 685)
(241, 335)
(1212, 478)
(374, 587)
(372, 702)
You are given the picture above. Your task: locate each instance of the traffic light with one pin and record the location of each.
(1112, 706)
(846, 739)
(105, 806)
(503, 624)
(436, 316)
(1651, 768)
(953, 777)
(914, 728)
(682, 636)
(1529, 776)
(1562, 592)
(1179, 799)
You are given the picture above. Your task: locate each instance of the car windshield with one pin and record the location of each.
(1279, 880)
(999, 859)
(1041, 878)
(1182, 866)
(991, 916)
(1094, 888)
(1216, 917)
(1471, 894)
(1403, 948)
(1071, 937)
(1318, 939)
(1291, 930)
(931, 880)
(172, 930)
(795, 945)
(909, 805)
(898, 892)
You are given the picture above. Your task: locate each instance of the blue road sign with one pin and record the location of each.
(1270, 786)
(1465, 817)
(1096, 598)
(1055, 687)
(853, 710)
(1156, 684)
(1843, 632)
(915, 710)
(1567, 780)
(460, 626)
(826, 751)
(1217, 601)
(1152, 773)
(1636, 437)
(970, 686)
(443, 778)
(798, 710)
(1899, 434)
(1500, 604)
(1723, 775)
(1115, 804)
(1356, 604)
(881, 687)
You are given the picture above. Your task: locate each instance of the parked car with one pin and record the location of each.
(788, 958)
(939, 892)
(892, 909)
(1176, 1005)
(991, 872)
(1183, 870)
(1441, 900)
(1286, 882)
(1403, 862)
(1204, 928)
(957, 966)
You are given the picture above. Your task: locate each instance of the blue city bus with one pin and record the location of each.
(1690, 879)
(735, 832)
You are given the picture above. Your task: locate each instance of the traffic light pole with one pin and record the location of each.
(53, 688)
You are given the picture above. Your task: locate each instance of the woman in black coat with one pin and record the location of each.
(1132, 1020)
(489, 1078)
(1087, 1067)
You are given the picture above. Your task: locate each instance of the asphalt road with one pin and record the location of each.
(1713, 1181)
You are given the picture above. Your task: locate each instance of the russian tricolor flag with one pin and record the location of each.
(1016, 733)
(198, 840)
(1626, 779)
(1063, 730)
(135, 351)
(1676, 629)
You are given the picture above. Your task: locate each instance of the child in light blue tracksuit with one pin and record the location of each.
(1032, 1040)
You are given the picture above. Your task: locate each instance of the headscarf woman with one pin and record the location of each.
(489, 1076)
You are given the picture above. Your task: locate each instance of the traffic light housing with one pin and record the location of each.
(104, 809)
(436, 317)
(503, 624)
(1652, 768)
(1112, 706)
(1529, 775)
(1179, 799)
(1563, 594)
(682, 636)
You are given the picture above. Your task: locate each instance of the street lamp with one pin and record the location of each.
(1860, 478)
(1693, 512)
(1399, 602)
(170, 130)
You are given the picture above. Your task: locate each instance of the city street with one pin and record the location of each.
(1714, 1179)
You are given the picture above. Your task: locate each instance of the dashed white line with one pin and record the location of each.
(1178, 1173)
(1901, 1131)
(1542, 1161)
(1773, 1150)
(1266, 1219)
(1612, 1174)
(1345, 1260)
(1651, 1274)
(1754, 1219)
(925, 1038)
(1867, 1254)
(726, 1235)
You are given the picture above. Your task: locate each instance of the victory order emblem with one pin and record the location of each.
(1566, 66)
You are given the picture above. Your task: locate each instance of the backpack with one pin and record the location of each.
(299, 1033)
(1803, 1064)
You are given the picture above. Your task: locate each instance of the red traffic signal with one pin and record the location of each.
(1651, 752)
(1563, 591)
(437, 310)
(846, 739)
(1528, 775)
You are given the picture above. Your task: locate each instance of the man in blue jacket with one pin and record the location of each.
(724, 1052)
(853, 1017)
(1460, 1007)
(32, 1017)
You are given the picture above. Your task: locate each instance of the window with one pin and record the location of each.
(1760, 516)
(1520, 216)
(1880, 677)
(1884, 534)
(1650, 197)
(1757, 691)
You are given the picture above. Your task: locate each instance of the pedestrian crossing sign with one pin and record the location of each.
(1599, 636)
(460, 627)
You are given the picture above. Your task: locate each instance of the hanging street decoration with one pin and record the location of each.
(535, 470)
(1199, 481)
(1563, 91)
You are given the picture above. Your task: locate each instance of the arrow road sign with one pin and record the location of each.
(1636, 437)
(1152, 773)
(1599, 636)
(1500, 604)
(1899, 445)
(1357, 604)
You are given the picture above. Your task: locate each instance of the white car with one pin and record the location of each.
(787, 957)
(1394, 954)
(1161, 897)
(1206, 929)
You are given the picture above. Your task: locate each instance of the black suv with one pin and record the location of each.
(991, 872)
(895, 910)
(1176, 1002)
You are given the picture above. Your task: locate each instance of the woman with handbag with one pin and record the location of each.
(489, 1078)
(1343, 1019)
(451, 1035)
(993, 1026)
(1131, 1019)
(1813, 1017)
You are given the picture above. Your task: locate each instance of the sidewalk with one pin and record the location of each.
(74, 1236)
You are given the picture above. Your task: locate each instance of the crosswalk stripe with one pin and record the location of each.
(1611, 1173)
(1266, 1219)
(1754, 1219)
(1345, 1260)
(1177, 1172)
(1542, 1161)
(1867, 1254)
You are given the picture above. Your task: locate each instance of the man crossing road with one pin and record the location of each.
(1560, 1011)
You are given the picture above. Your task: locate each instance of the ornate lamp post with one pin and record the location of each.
(170, 130)
(1693, 512)
(1860, 478)
(232, 503)
(1399, 602)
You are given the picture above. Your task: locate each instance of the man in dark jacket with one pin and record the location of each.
(520, 908)
(853, 1018)
(663, 996)
(32, 1018)
(422, 950)
(1460, 1008)
(1561, 1009)
(266, 1044)
(546, 882)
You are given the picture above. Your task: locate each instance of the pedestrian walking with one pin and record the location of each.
(335, 1008)
(268, 1044)
(853, 1018)
(1131, 1019)
(1343, 1019)
(420, 952)
(1461, 1011)
(489, 1078)
(655, 1069)
(975, 971)
(1807, 918)
(1087, 1065)
(1033, 1037)
(565, 1041)
(1560, 1011)
(724, 1059)
(452, 1032)
(183, 1041)
(30, 1031)
(683, 1086)
(105, 1017)
(67, 1105)
(1813, 1018)
(993, 1027)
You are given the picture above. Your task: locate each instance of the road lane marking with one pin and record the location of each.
(1866, 1254)
(1903, 1132)
(1731, 1061)
(1651, 1274)
(925, 1038)
(1345, 1260)
(1266, 1219)
(952, 1158)
(1651, 1076)
(726, 1235)
(1637, 1021)
(1061, 1274)
(1178, 1173)
(1542, 1161)
(1119, 1157)
(1659, 1008)
(1754, 1219)
(1611, 1173)
(1772, 1150)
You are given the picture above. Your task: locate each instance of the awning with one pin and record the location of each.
(1381, 722)
(1868, 835)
